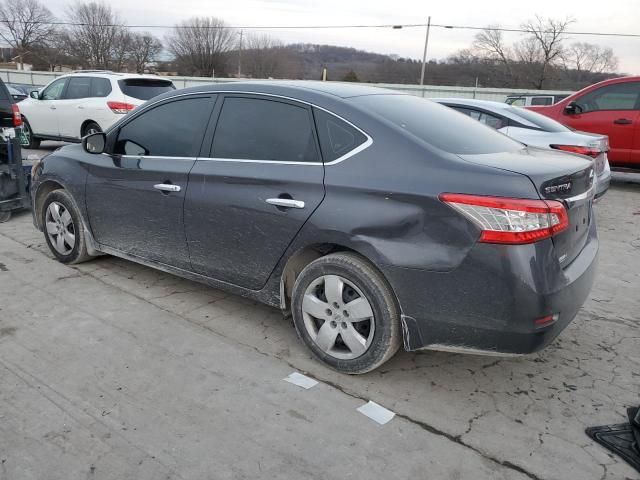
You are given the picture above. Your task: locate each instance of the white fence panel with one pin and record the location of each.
(39, 79)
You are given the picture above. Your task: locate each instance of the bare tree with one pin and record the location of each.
(25, 25)
(583, 57)
(544, 45)
(93, 37)
(145, 48)
(490, 44)
(264, 57)
(200, 44)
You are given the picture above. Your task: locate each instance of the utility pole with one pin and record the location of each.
(240, 56)
(424, 55)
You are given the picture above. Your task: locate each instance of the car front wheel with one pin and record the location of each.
(346, 313)
(63, 228)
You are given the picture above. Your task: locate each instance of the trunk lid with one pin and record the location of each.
(557, 176)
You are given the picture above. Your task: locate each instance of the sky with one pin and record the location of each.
(618, 16)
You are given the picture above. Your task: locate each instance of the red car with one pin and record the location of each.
(611, 108)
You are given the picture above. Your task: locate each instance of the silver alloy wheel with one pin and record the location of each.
(92, 130)
(60, 228)
(338, 317)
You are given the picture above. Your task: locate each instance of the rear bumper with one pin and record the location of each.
(603, 182)
(490, 302)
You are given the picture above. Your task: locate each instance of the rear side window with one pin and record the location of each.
(163, 131)
(145, 88)
(257, 129)
(337, 138)
(492, 121)
(100, 87)
(437, 125)
(541, 100)
(79, 87)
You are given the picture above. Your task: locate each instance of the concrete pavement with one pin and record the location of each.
(113, 370)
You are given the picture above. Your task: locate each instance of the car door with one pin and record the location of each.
(262, 181)
(43, 113)
(612, 110)
(70, 106)
(135, 194)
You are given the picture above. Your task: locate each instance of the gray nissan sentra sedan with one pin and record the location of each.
(375, 218)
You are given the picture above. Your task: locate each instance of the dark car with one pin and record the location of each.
(13, 194)
(375, 218)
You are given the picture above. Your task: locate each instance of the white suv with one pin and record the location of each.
(74, 105)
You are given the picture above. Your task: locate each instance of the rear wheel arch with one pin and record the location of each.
(86, 124)
(304, 256)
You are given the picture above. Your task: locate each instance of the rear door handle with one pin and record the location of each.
(167, 187)
(52, 107)
(623, 121)
(285, 202)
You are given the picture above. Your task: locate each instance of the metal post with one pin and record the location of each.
(424, 55)
(240, 56)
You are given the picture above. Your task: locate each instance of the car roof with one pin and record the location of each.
(110, 74)
(296, 88)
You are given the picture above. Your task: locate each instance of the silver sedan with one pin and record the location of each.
(536, 130)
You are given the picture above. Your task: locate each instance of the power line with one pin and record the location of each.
(327, 27)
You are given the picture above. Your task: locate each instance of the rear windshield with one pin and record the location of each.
(440, 126)
(145, 88)
(544, 123)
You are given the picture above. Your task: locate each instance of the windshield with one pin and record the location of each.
(544, 123)
(145, 88)
(440, 126)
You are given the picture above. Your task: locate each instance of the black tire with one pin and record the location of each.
(78, 253)
(28, 132)
(91, 127)
(387, 335)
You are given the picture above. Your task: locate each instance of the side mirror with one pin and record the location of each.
(94, 143)
(572, 108)
(34, 94)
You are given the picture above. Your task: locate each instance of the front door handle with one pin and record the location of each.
(167, 187)
(52, 107)
(623, 121)
(285, 202)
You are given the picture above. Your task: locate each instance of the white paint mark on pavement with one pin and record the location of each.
(301, 380)
(376, 412)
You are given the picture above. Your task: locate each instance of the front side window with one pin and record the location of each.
(257, 129)
(337, 138)
(620, 96)
(79, 87)
(54, 91)
(170, 130)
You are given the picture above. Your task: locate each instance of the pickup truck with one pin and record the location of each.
(611, 108)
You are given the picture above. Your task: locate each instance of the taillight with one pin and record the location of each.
(120, 107)
(17, 117)
(510, 220)
(589, 151)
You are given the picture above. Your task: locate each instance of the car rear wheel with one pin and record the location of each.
(32, 142)
(346, 313)
(90, 128)
(63, 228)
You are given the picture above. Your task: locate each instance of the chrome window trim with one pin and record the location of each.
(338, 160)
